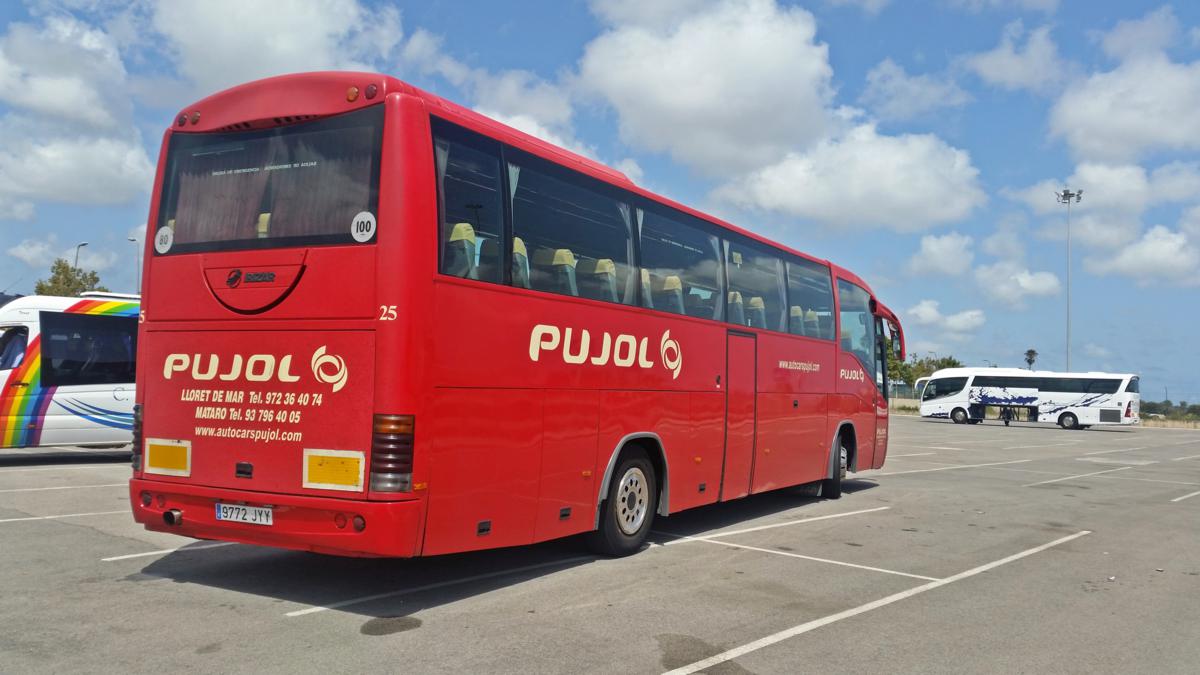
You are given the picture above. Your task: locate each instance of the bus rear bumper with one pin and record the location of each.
(300, 523)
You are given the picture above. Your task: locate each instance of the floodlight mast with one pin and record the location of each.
(1066, 197)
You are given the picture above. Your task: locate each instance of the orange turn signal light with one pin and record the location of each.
(394, 424)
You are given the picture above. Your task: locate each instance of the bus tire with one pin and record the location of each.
(1068, 421)
(629, 507)
(831, 488)
(959, 416)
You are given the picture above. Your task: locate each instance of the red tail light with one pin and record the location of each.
(392, 453)
(136, 458)
(1129, 409)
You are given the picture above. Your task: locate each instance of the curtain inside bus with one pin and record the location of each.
(286, 186)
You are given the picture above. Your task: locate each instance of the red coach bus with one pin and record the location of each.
(376, 323)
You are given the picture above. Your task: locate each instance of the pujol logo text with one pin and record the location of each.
(327, 368)
(624, 351)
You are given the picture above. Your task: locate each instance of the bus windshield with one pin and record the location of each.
(294, 185)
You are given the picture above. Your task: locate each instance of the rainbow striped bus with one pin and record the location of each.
(67, 368)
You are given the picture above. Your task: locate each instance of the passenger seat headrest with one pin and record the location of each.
(463, 232)
(597, 266)
(554, 256)
(671, 283)
(756, 303)
(519, 247)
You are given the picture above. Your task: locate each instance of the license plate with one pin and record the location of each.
(237, 513)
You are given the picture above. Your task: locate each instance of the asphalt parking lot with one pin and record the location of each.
(976, 549)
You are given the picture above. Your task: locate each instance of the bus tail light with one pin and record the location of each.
(392, 453)
(1129, 408)
(136, 457)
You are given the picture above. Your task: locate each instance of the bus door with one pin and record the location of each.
(740, 387)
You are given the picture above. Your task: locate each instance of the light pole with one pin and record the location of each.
(137, 264)
(77, 247)
(1066, 197)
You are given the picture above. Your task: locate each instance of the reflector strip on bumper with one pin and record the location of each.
(168, 457)
(334, 469)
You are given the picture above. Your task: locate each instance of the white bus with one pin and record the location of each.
(1071, 400)
(67, 370)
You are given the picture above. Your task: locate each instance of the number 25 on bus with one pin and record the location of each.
(381, 324)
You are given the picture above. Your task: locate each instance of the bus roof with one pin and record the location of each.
(287, 99)
(25, 308)
(1021, 372)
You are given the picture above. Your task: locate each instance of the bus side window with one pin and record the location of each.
(12, 347)
(810, 298)
(858, 325)
(578, 236)
(757, 278)
(472, 211)
(682, 266)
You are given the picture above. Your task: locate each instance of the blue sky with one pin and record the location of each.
(918, 143)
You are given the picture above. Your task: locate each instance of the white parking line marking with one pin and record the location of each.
(166, 551)
(1109, 452)
(65, 487)
(1187, 496)
(122, 465)
(800, 521)
(769, 640)
(1151, 480)
(808, 557)
(1082, 475)
(429, 587)
(65, 515)
(1180, 459)
(950, 468)
(1047, 445)
(1110, 460)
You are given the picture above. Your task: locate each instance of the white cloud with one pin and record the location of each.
(63, 69)
(218, 43)
(1095, 351)
(74, 170)
(893, 94)
(1189, 223)
(40, 253)
(1159, 255)
(1006, 242)
(1145, 105)
(1114, 198)
(727, 88)
(1035, 66)
(657, 14)
(1009, 282)
(869, 6)
(949, 254)
(517, 98)
(1150, 34)
(630, 168)
(32, 252)
(906, 183)
(68, 134)
(953, 327)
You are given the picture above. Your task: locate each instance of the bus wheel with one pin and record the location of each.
(959, 416)
(629, 507)
(831, 488)
(1068, 421)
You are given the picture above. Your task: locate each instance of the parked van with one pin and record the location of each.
(67, 370)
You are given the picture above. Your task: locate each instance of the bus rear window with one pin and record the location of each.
(296, 185)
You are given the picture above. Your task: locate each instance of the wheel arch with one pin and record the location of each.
(844, 428)
(652, 444)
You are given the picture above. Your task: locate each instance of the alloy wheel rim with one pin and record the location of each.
(633, 497)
